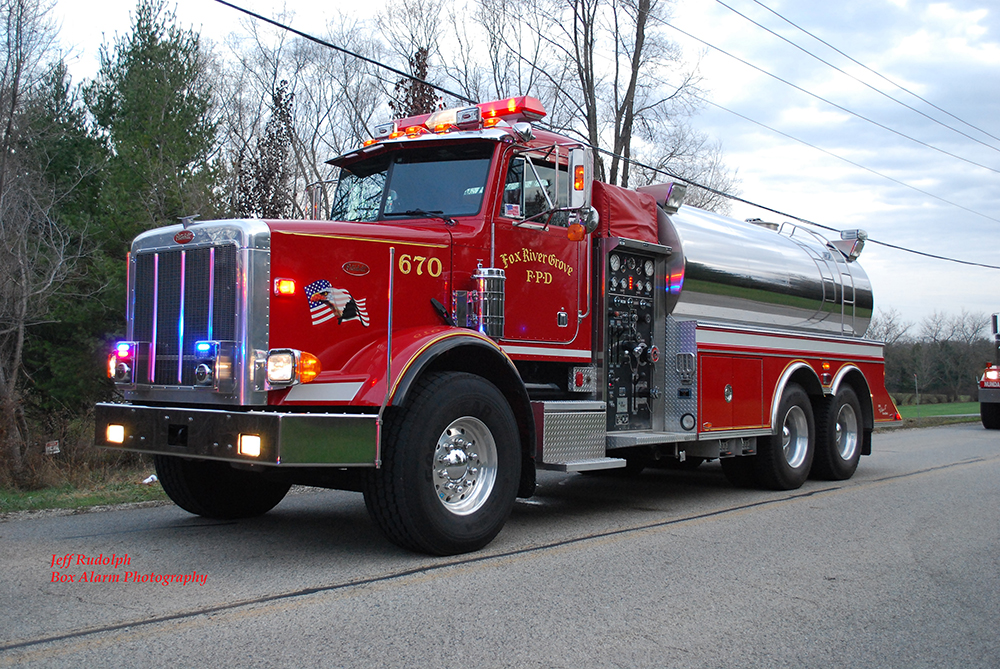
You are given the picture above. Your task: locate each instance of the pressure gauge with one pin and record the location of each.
(614, 283)
(631, 263)
(649, 268)
(616, 262)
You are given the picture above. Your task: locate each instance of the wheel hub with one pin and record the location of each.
(463, 478)
(847, 432)
(795, 436)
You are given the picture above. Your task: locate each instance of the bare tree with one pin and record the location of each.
(335, 97)
(888, 326)
(607, 74)
(36, 254)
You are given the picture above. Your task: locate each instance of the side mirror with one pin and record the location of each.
(581, 175)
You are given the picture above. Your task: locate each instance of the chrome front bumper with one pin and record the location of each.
(286, 439)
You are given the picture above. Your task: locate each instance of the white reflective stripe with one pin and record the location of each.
(788, 343)
(324, 392)
(553, 352)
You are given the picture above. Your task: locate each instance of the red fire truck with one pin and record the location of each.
(477, 308)
(989, 384)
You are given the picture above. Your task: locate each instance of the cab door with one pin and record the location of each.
(543, 268)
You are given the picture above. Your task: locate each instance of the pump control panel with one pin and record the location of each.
(630, 352)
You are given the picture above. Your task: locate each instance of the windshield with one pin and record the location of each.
(449, 181)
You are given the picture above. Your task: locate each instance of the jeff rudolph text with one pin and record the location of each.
(116, 562)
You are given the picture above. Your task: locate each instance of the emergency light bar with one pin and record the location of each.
(483, 115)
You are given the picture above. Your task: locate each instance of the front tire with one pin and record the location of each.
(838, 436)
(215, 490)
(451, 463)
(784, 459)
(989, 413)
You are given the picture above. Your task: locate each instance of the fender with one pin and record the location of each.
(859, 384)
(804, 374)
(443, 348)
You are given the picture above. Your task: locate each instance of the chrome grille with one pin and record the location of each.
(181, 296)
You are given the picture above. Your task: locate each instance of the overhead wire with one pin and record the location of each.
(877, 74)
(463, 98)
(857, 79)
(331, 45)
(849, 161)
(822, 99)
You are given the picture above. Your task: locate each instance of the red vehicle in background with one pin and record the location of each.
(989, 385)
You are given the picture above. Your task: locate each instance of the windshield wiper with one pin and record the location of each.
(420, 213)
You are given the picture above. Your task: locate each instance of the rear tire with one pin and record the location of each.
(839, 432)
(784, 459)
(215, 490)
(989, 413)
(451, 463)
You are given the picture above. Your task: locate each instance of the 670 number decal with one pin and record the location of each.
(419, 264)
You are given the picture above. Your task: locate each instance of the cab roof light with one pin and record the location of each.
(522, 108)
(415, 131)
(384, 130)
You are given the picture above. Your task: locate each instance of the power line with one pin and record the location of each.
(847, 160)
(848, 74)
(822, 99)
(736, 198)
(317, 40)
(634, 162)
(878, 74)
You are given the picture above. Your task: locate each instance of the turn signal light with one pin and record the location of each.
(309, 367)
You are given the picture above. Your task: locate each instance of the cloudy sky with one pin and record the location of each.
(897, 182)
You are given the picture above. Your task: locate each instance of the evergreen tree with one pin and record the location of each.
(64, 353)
(152, 103)
(263, 187)
(412, 98)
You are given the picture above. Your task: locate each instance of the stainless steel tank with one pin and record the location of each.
(732, 271)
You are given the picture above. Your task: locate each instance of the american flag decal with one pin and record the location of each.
(326, 302)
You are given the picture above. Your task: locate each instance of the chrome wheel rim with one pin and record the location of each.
(465, 466)
(795, 437)
(847, 432)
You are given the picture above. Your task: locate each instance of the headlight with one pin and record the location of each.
(286, 367)
(280, 366)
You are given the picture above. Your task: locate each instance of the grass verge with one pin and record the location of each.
(106, 487)
(928, 410)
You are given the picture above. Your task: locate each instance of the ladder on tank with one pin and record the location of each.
(834, 274)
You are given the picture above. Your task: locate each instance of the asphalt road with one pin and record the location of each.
(897, 567)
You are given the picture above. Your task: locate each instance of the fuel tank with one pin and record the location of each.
(761, 274)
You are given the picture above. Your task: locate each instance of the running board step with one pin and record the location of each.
(584, 465)
(569, 432)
